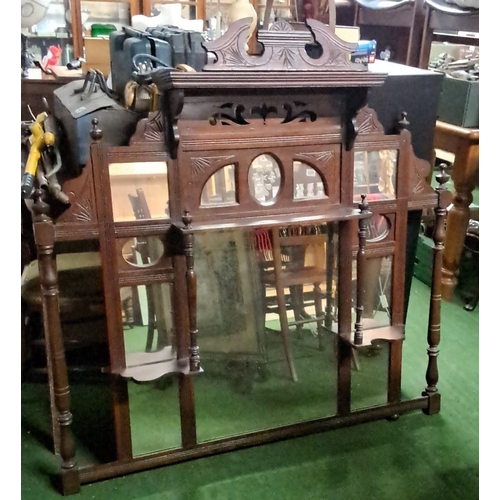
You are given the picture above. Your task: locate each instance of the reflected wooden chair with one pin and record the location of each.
(143, 248)
(286, 268)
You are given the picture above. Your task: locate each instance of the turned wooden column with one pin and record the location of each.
(330, 262)
(44, 232)
(360, 273)
(194, 350)
(434, 325)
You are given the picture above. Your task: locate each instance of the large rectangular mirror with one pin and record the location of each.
(266, 358)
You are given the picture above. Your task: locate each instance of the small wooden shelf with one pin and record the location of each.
(389, 333)
(147, 366)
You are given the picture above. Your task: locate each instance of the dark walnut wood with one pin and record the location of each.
(291, 109)
(284, 49)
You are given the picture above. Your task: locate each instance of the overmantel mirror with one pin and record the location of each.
(252, 240)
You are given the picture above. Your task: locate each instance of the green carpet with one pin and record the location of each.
(416, 457)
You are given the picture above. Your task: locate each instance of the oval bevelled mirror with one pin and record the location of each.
(378, 228)
(144, 251)
(264, 179)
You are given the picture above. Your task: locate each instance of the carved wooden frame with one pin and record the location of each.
(188, 135)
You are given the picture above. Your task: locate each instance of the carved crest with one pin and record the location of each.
(285, 49)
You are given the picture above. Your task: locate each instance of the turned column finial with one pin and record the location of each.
(403, 123)
(96, 132)
(363, 204)
(40, 207)
(187, 218)
(442, 177)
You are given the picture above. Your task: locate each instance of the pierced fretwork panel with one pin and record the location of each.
(230, 113)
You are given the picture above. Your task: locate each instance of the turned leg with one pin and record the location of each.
(45, 238)
(434, 324)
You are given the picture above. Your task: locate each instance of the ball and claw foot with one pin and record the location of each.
(393, 418)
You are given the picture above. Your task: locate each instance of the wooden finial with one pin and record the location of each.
(442, 177)
(187, 218)
(363, 205)
(96, 132)
(403, 123)
(40, 207)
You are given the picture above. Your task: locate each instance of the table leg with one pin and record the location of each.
(463, 173)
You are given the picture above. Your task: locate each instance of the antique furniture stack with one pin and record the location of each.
(197, 222)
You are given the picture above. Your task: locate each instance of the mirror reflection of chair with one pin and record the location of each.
(294, 261)
(146, 253)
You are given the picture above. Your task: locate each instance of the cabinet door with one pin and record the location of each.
(108, 12)
(45, 25)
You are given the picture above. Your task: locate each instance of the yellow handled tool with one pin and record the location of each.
(39, 139)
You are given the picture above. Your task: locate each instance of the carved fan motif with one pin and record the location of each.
(83, 211)
(149, 129)
(421, 170)
(321, 159)
(202, 163)
(367, 122)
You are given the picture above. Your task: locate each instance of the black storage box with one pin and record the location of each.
(75, 111)
(459, 102)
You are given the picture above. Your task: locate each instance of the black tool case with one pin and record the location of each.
(168, 44)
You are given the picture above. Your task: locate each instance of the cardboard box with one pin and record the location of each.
(97, 55)
(459, 102)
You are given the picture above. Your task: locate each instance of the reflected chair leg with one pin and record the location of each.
(151, 318)
(319, 313)
(285, 333)
(295, 299)
(355, 359)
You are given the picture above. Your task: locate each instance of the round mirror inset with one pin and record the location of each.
(264, 179)
(378, 228)
(143, 251)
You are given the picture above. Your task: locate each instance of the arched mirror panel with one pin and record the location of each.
(220, 189)
(307, 182)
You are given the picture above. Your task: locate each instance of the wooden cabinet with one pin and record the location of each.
(67, 22)
(279, 262)
(396, 26)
